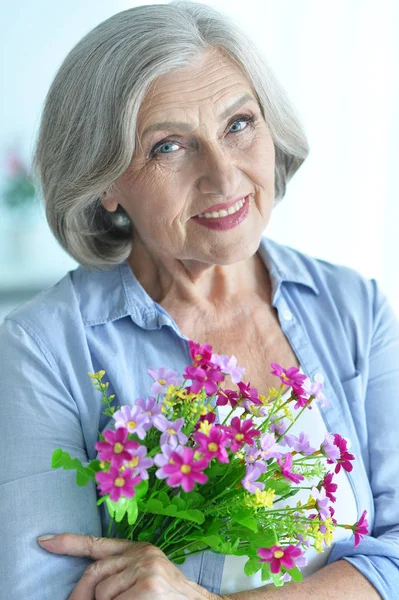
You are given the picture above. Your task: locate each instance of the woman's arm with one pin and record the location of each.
(337, 581)
(38, 415)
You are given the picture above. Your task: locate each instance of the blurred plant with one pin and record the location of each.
(19, 190)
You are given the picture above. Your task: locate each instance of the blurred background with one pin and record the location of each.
(338, 62)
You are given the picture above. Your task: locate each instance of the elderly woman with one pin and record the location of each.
(164, 145)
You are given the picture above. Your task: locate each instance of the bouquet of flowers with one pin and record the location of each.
(171, 475)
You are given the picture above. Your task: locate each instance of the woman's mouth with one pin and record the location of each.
(225, 219)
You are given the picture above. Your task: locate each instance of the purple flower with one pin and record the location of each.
(278, 428)
(139, 462)
(329, 449)
(252, 453)
(172, 433)
(269, 446)
(163, 378)
(252, 474)
(314, 389)
(228, 366)
(150, 406)
(321, 502)
(300, 444)
(134, 419)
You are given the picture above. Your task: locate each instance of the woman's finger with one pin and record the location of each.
(110, 572)
(86, 545)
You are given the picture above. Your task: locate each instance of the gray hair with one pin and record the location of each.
(85, 139)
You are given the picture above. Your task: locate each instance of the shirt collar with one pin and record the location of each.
(115, 293)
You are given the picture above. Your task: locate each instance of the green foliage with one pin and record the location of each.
(161, 504)
(63, 460)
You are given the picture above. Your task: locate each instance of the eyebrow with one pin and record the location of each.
(186, 127)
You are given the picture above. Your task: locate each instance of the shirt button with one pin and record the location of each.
(287, 315)
(318, 377)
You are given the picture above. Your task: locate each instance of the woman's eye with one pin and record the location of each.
(167, 146)
(243, 123)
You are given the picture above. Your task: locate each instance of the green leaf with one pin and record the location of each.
(245, 517)
(252, 566)
(141, 489)
(63, 460)
(280, 486)
(295, 574)
(265, 538)
(117, 510)
(179, 503)
(266, 573)
(132, 511)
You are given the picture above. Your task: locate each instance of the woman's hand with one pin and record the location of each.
(125, 570)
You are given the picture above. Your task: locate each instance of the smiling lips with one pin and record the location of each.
(224, 206)
(223, 219)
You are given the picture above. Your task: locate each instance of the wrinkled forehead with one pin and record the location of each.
(211, 84)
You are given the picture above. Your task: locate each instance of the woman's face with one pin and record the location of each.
(201, 141)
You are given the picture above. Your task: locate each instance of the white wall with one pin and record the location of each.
(339, 63)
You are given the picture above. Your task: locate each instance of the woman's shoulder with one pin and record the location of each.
(326, 278)
(79, 298)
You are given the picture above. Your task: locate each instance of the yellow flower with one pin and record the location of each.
(205, 427)
(261, 499)
(98, 375)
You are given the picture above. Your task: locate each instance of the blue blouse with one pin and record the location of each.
(339, 325)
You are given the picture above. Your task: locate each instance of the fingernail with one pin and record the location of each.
(45, 538)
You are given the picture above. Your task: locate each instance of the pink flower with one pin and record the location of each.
(240, 432)
(185, 471)
(133, 419)
(360, 528)
(225, 396)
(210, 417)
(165, 459)
(286, 469)
(200, 355)
(116, 449)
(228, 366)
(279, 556)
(163, 378)
(248, 393)
(329, 486)
(117, 484)
(301, 397)
(203, 378)
(212, 445)
(345, 458)
(288, 377)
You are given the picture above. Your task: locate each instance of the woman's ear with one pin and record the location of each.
(110, 204)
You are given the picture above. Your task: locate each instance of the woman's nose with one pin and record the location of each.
(218, 174)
